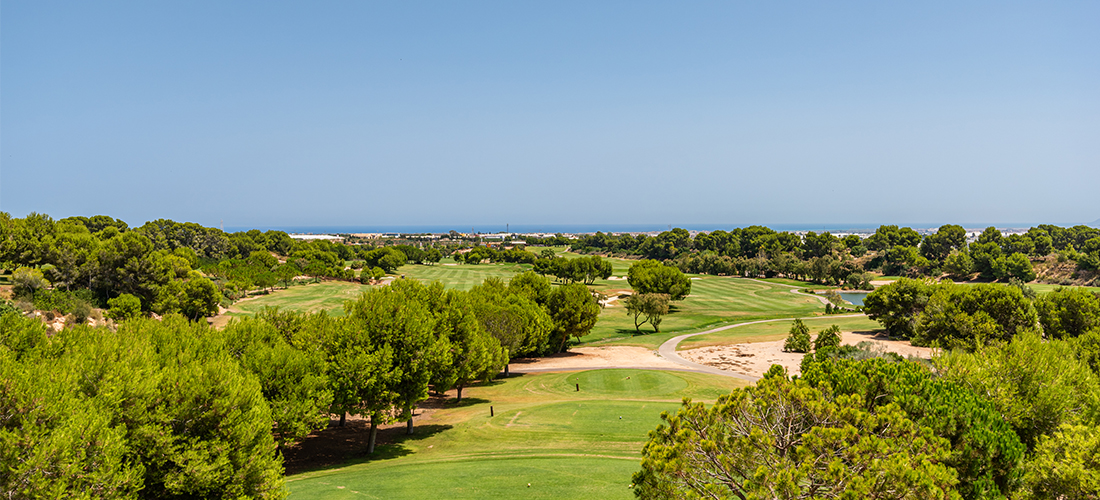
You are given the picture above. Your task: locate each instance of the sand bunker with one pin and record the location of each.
(756, 358)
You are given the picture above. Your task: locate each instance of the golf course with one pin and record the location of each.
(560, 434)
(714, 300)
(546, 439)
(568, 425)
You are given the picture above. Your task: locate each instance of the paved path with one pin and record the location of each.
(667, 350)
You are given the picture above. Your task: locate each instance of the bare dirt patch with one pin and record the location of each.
(583, 358)
(757, 357)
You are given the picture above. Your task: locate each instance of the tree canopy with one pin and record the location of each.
(650, 276)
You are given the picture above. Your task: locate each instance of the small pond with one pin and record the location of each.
(856, 298)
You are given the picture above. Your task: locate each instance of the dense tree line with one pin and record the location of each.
(78, 263)
(177, 409)
(969, 317)
(479, 254)
(1016, 419)
(824, 258)
(576, 270)
(163, 263)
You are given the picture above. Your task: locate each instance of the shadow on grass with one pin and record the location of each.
(456, 403)
(338, 446)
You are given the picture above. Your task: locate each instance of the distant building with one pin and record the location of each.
(330, 237)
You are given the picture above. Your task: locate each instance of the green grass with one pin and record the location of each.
(1037, 287)
(714, 301)
(327, 296)
(1045, 288)
(565, 443)
(461, 276)
(777, 330)
(799, 284)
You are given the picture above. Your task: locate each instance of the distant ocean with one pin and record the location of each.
(582, 228)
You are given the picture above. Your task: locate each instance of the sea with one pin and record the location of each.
(582, 228)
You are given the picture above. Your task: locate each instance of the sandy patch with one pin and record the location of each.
(757, 357)
(616, 278)
(614, 296)
(583, 358)
(881, 282)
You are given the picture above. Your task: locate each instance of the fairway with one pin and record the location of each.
(461, 276)
(714, 301)
(565, 443)
(1039, 288)
(325, 296)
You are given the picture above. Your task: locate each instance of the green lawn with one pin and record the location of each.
(1044, 288)
(777, 330)
(327, 295)
(460, 276)
(1038, 287)
(799, 284)
(564, 443)
(714, 301)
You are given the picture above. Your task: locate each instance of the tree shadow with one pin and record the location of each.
(454, 403)
(342, 446)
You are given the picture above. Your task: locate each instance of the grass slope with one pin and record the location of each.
(461, 276)
(565, 443)
(327, 295)
(714, 301)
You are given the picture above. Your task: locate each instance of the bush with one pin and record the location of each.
(1036, 385)
(26, 282)
(6, 308)
(986, 451)
(63, 301)
(828, 339)
(1066, 464)
(784, 439)
(967, 317)
(799, 338)
(81, 311)
(958, 265)
(1016, 265)
(124, 307)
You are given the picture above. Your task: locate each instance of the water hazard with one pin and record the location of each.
(856, 298)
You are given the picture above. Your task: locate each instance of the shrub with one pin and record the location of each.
(81, 311)
(62, 301)
(799, 338)
(26, 281)
(124, 307)
(828, 339)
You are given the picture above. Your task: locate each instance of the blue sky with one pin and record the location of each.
(463, 113)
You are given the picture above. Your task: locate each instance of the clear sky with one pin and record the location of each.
(437, 113)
